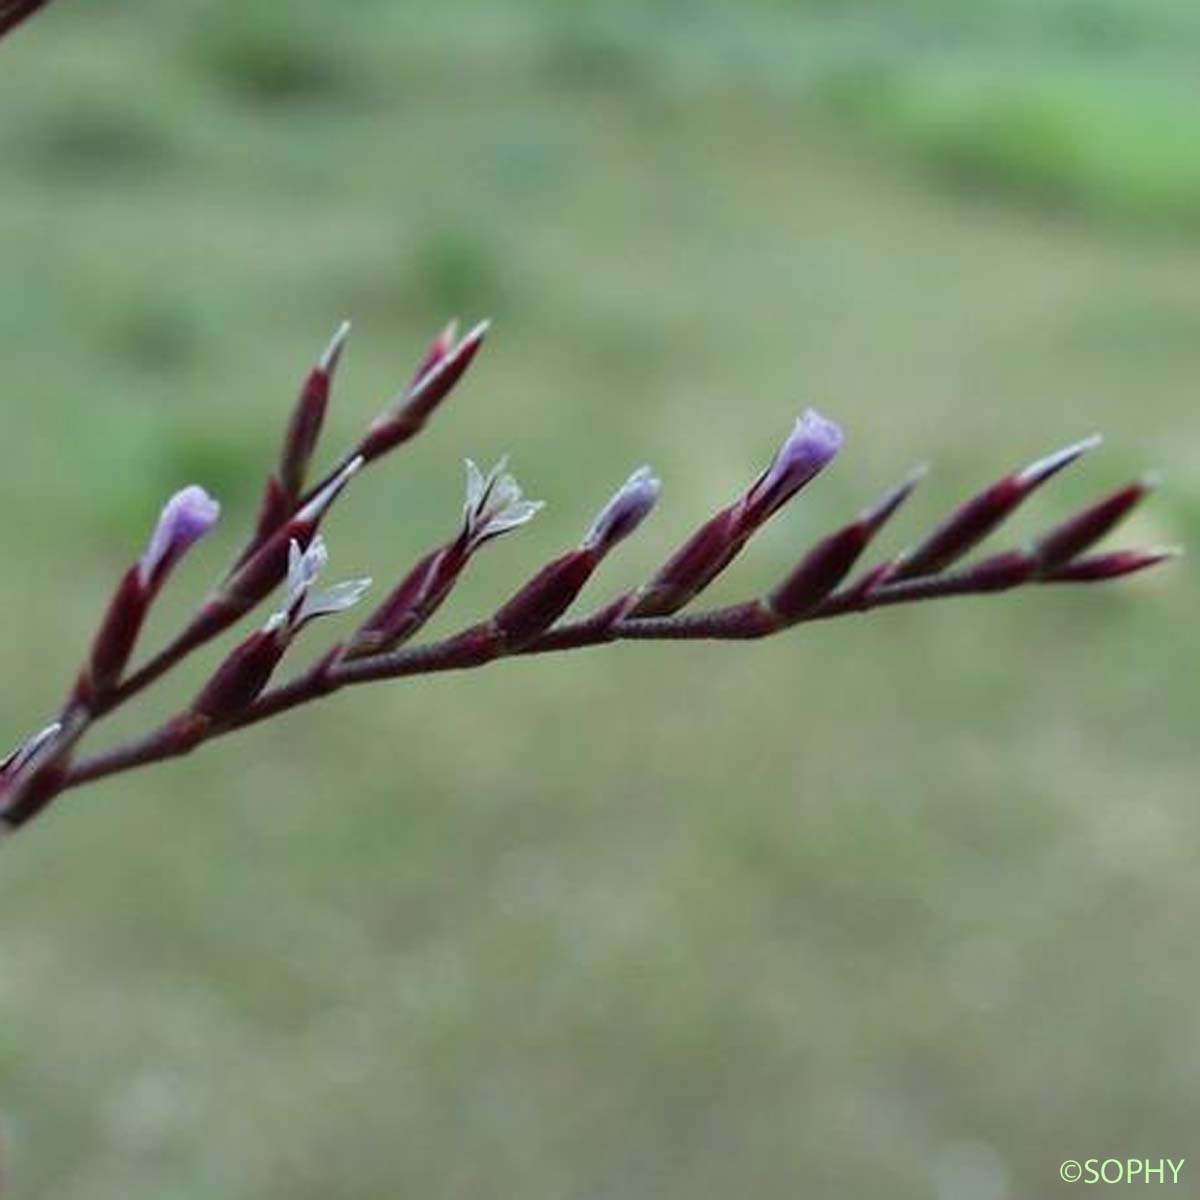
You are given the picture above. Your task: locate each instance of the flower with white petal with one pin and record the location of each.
(305, 603)
(494, 504)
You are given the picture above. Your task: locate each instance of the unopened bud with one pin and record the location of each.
(1098, 567)
(831, 560)
(185, 519)
(268, 565)
(406, 415)
(541, 601)
(308, 417)
(241, 677)
(812, 445)
(1078, 533)
(628, 508)
(973, 521)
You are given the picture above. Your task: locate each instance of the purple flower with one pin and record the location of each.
(625, 511)
(185, 519)
(812, 446)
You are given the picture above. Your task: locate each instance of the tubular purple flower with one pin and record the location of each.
(624, 512)
(185, 519)
(812, 445)
(810, 448)
(541, 601)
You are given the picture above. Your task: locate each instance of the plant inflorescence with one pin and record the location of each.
(286, 548)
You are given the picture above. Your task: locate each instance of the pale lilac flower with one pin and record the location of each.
(811, 446)
(628, 508)
(494, 504)
(185, 519)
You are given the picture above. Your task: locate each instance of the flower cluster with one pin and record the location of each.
(286, 548)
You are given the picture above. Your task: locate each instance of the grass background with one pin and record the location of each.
(903, 904)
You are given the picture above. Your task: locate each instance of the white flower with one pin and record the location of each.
(494, 504)
(303, 602)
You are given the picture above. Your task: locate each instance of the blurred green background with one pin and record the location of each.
(903, 905)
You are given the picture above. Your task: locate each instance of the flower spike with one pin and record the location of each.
(288, 548)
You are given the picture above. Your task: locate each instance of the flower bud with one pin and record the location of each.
(308, 416)
(812, 445)
(541, 601)
(439, 350)
(1098, 567)
(1076, 534)
(238, 681)
(185, 519)
(406, 415)
(831, 560)
(554, 588)
(624, 512)
(115, 638)
(973, 521)
(259, 574)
